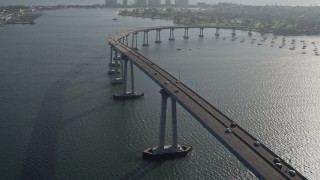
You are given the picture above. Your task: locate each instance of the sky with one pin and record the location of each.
(250, 2)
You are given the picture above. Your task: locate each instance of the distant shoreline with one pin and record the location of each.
(279, 32)
(21, 14)
(279, 20)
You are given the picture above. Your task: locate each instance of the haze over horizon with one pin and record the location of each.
(247, 2)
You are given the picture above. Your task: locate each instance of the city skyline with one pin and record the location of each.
(129, 2)
(147, 2)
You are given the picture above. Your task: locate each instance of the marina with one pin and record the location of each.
(19, 15)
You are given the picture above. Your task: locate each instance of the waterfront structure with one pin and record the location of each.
(125, 2)
(140, 2)
(255, 155)
(181, 2)
(202, 4)
(111, 2)
(154, 2)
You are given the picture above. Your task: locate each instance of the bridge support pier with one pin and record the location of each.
(127, 40)
(134, 44)
(169, 151)
(112, 63)
(116, 80)
(201, 33)
(233, 32)
(123, 39)
(186, 33)
(111, 56)
(171, 35)
(127, 95)
(145, 38)
(217, 32)
(158, 36)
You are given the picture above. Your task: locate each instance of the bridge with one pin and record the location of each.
(258, 158)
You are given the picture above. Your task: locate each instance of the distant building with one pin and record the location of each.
(181, 2)
(140, 2)
(203, 4)
(154, 2)
(125, 2)
(168, 2)
(111, 2)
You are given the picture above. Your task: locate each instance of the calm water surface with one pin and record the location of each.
(58, 119)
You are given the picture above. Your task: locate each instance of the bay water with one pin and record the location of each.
(58, 119)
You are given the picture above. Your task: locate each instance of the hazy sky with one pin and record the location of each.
(253, 2)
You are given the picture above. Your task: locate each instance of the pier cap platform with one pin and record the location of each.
(169, 152)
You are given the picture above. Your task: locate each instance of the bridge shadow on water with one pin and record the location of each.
(40, 157)
(142, 170)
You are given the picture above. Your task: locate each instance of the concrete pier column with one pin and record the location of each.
(201, 32)
(127, 40)
(116, 61)
(136, 40)
(163, 117)
(145, 38)
(111, 55)
(132, 42)
(217, 32)
(125, 75)
(117, 80)
(132, 77)
(171, 35)
(163, 151)
(158, 36)
(174, 123)
(122, 68)
(186, 33)
(234, 32)
(127, 95)
(123, 39)
(111, 64)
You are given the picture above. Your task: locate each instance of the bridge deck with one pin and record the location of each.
(259, 159)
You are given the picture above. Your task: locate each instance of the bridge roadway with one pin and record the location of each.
(258, 158)
(122, 34)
